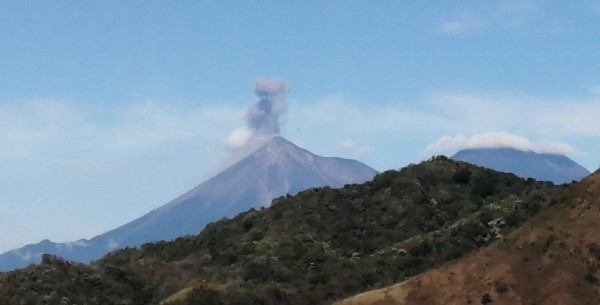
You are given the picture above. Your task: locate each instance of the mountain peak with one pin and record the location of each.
(526, 164)
(402, 222)
(278, 148)
(276, 168)
(279, 142)
(551, 259)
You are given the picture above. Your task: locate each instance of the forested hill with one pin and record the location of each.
(554, 258)
(318, 246)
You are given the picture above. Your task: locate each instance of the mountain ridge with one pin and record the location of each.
(312, 248)
(276, 168)
(556, 168)
(553, 259)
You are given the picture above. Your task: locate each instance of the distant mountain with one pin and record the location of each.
(318, 246)
(552, 259)
(556, 168)
(275, 169)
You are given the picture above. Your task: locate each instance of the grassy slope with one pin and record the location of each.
(552, 259)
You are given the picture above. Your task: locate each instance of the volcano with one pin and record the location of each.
(555, 168)
(277, 168)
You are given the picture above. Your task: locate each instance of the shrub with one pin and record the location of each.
(484, 187)
(462, 176)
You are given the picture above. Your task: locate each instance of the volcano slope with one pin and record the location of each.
(313, 248)
(552, 259)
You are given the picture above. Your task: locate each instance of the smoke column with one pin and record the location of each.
(263, 117)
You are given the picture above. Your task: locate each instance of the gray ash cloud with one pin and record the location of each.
(264, 116)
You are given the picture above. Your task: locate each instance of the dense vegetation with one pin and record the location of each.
(312, 248)
(554, 258)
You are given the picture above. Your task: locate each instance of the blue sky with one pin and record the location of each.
(110, 109)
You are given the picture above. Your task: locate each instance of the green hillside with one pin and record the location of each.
(318, 246)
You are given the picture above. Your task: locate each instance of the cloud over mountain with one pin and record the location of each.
(497, 140)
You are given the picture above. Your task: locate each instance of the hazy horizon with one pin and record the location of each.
(111, 109)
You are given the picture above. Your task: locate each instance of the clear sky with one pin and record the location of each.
(109, 109)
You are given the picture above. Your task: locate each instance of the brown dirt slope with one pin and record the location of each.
(553, 259)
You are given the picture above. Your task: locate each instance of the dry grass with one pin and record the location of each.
(178, 296)
(546, 262)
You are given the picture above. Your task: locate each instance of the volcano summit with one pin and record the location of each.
(267, 166)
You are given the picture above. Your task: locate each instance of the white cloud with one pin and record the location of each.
(410, 126)
(459, 26)
(542, 118)
(238, 138)
(26, 256)
(451, 113)
(357, 148)
(35, 125)
(112, 244)
(338, 113)
(515, 15)
(70, 244)
(496, 140)
(146, 124)
(50, 127)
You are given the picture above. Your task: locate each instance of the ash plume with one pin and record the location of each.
(262, 119)
(264, 116)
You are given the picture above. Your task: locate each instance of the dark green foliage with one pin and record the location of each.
(484, 187)
(383, 179)
(462, 176)
(202, 295)
(59, 282)
(312, 248)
